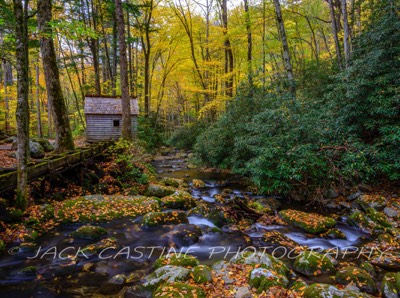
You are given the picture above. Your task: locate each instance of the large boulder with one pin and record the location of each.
(311, 263)
(324, 290)
(185, 235)
(360, 220)
(310, 222)
(166, 274)
(153, 219)
(179, 290)
(36, 150)
(358, 277)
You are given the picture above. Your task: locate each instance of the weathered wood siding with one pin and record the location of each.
(101, 127)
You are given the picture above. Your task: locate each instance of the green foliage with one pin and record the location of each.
(185, 137)
(150, 132)
(330, 136)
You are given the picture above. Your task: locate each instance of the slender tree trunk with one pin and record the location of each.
(64, 139)
(123, 65)
(346, 37)
(7, 111)
(285, 46)
(264, 29)
(249, 45)
(22, 113)
(228, 51)
(130, 65)
(114, 53)
(335, 34)
(38, 116)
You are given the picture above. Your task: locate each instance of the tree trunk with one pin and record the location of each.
(7, 111)
(346, 37)
(285, 46)
(228, 51)
(22, 113)
(55, 96)
(335, 34)
(38, 114)
(123, 65)
(249, 45)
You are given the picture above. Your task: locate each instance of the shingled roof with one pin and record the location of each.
(108, 106)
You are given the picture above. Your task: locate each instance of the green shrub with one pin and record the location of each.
(185, 137)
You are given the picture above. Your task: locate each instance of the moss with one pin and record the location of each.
(310, 222)
(312, 263)
(299, 286)
(103, 208)
(29, 270)
(153, 219)
(260, 207)
(324, 290)
(158, 190)
(357, 276)
(201, 274)
(334, 234)
(219, 217)
(179, 290)
(173, 182)
(378, 217)
(360, 220)
(197, 183)
(2, 246)
(391, 285)
(263, 279)
(179, 200)
(89, 232)
(182, 260)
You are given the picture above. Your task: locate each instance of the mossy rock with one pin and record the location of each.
(310, 222)
(334, 234)
(277, 239)
(368, 268)
(179, 290)
(378, 217)
(377, 202)
(391, 285)
(173, 182)
(158, 190)
(30, 270)
(299, 286)
(263, 279)
(89, 232)
(47, 146)
(359, 277)
(260, 259)
(324, 290)
(360, 220)
(166, 274)
(186, 234)
(13, 215)
(179, 200)
(219, 217)
(197, 183)
(311, 263)
(273, 203)
(153, 219)
(201, 274)
(97, 208)
(31, 235)
(260, 208)
(182, 260)
(2, 246)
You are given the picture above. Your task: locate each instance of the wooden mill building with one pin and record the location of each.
(104, 117)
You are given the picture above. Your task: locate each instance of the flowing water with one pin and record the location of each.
(62, 273)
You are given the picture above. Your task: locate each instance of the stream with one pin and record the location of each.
(65, 273)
